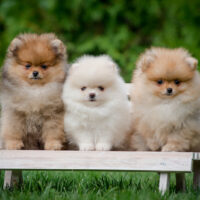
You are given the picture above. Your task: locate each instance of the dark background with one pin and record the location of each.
(120, 28)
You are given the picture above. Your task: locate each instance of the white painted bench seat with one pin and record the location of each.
(94, 160)
(14, 161)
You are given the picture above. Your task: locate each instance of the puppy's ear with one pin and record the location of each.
(192, 62)
(14, 46)
(114, 67)
(146, 59)
(58, 47)
(73, 67)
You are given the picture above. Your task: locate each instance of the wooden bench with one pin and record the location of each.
(15, 161)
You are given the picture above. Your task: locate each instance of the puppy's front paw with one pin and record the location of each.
(14, 144)
(170, 147)
(53, 145)
(103, 147)
(86, 147)
(153, 145)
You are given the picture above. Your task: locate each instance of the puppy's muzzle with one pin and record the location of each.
(169, 91)
(35, 75)
(92, 97)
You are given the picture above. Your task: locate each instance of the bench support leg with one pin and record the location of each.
(180, 182)
(196, 175)
(12, 178)
(164, 182)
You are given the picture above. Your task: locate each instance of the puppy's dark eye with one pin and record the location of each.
(101, 88)
(27, 66)
(160, 82)
(83, 88)
(44, 66)
(177, 82)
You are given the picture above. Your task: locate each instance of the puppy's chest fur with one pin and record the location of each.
(163, 119)
(93, 118)
(45, 99)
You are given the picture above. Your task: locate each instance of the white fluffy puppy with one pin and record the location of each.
(97, 115)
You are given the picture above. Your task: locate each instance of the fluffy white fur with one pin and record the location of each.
(101, 124)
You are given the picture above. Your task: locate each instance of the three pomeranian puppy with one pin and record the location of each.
(41, 108)
(32, 79)
(97, 108)
(166, 101)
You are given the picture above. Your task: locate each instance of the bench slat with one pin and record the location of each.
(94, 160)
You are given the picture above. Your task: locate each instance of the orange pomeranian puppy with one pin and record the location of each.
(32, 81)
(166, 101)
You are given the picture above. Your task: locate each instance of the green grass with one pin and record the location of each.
(94, 185)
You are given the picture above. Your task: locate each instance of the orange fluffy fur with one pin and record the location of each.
(32, 109)
(166, 101)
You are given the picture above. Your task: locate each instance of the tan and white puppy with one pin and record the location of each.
(166, 99)
(32, 81)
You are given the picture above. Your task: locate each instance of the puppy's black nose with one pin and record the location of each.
(169, 90)
(92, 95)
(35, 73)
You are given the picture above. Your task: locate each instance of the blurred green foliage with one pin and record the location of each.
(120, 28)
